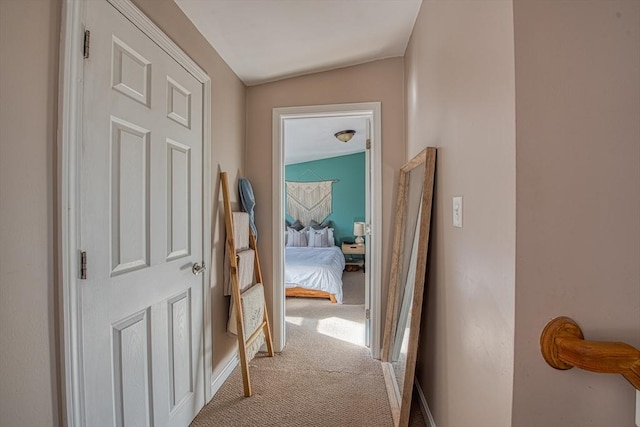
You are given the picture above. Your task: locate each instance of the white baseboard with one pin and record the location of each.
(424, 408)
(224, 374)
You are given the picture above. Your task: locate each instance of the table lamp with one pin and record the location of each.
(358, 231)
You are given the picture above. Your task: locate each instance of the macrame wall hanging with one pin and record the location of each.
(309, 200)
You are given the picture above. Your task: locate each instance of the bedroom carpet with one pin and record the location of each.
(322, 378)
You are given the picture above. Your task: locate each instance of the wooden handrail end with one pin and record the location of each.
(558, 327)
(563, 346)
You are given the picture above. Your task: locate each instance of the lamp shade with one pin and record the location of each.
(358, 231)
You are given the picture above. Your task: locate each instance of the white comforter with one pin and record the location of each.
(315, 268)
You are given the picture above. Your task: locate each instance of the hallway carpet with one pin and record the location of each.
(318, 380)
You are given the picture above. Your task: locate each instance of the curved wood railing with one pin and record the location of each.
(563, 346)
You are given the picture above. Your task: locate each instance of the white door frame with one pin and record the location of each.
(68, 175)
(374, 240)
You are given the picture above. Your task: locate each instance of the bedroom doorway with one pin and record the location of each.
(350, 173)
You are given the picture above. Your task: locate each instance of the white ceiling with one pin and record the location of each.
(307, 139)
(268, 40)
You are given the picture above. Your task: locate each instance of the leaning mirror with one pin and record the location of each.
(407, 277)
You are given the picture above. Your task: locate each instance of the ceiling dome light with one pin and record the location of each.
(345, 135)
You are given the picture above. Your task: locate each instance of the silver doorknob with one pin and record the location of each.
(197, 268)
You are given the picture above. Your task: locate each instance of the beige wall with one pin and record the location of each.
(376, 81)
(459, 69)
(578, 203)
(227, 136)
(29, 36)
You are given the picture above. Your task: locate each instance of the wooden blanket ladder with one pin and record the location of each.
(236, 293)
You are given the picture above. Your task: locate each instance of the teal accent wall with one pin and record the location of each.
(348, 195)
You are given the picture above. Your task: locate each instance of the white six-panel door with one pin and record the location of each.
(141, 227)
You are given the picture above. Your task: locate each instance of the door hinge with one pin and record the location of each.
(83, 265)
(87, 44)
(368, 144)
(367, 314)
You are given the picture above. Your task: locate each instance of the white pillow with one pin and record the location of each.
(319, 238)
(330, 238)
(332, 241)
(296, 238)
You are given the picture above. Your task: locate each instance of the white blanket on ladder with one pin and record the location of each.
(245, 261)
(252, 302)
(241, 230)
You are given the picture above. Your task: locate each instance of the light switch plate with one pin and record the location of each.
(457, 211)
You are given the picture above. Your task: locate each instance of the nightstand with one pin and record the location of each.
(354, 254)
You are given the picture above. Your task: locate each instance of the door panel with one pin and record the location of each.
(141, 226)
(178, 103)
(130, 72)
(178, 203)
(131, 367)
(129, 196)
(180, 349)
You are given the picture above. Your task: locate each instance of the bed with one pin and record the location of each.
(314, 272)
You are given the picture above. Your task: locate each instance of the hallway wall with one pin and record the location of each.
(567, 73)
(578, 201)
(460, 95)
(29, 35)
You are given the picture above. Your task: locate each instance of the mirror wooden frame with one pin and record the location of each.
(401, 402)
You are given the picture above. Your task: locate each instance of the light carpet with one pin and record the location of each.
(322, 378)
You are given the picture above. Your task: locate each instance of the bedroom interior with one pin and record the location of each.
(324, 144)
(325, 194)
